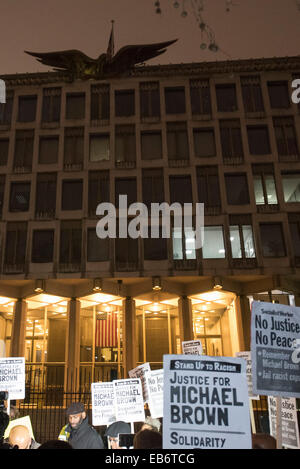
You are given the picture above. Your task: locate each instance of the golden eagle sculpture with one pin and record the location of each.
(80, 66)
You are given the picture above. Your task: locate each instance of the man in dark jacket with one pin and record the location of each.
(78, 432)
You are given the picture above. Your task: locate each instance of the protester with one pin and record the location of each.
(78, 432)
(56, 444)
(4, 421)
(113, 431)
(151, 424)
(263, 441)
(20, 436)
(147, 439)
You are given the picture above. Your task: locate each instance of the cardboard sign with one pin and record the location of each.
(275, 332)
(247, 357)
(155, 385)
(140, 372)
(290, 432)
(103, 404)
(192, 347)
(129, 403)
(12, 377)
(206, 404)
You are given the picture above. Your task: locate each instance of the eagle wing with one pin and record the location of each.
(62, 60)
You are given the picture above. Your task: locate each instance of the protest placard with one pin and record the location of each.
(206, 403)
(140, 372)
(192, 347)
(12, 377)
(103, 404)
(289, 423)
(275, 330)
(155, 385)
(129, 403)
(247, 357)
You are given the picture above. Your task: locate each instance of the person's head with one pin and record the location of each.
(13, 412)
(56, 444)
(151, 424)
(76, 414)
(20, 436)
(147, 439)
(113, 431)
(263, 441)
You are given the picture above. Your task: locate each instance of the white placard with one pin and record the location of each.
(140, 372)
(247, 357)
(275, 348)
(206, 403)
(192, 347)
(290, 432)
(103, 404)
(155, 385)
(129, 403)
(12, 377)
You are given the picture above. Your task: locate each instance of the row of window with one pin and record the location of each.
(175, 100)
(204, 144)
(239, 237)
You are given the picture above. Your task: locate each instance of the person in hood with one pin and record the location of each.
(112, 432)
(78, 433)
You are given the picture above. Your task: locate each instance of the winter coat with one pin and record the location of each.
(84, 437)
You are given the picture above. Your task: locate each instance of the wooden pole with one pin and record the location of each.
(278, 423)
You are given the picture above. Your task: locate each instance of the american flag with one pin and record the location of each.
(111, 43)
(106, 334)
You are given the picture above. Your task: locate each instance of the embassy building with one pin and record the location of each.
(83, 309)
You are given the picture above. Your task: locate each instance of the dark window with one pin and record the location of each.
(19, 197)
(155, 249)
(204, 142)
(99, 147)
(124, 103)
(153, 186)
(208, 186)
(45, 195)
(177, 141)
(51, 105)
(2, 187)
(27, 108)
(72, 195)
(126, 253)
(279, 94)
(6, 109)
(48, 151)
(151, 145)
(125, 187)
(149, 99)
(97, 249)
(100, 102)
(285, 134)
(175, 100)
(15, 247)
(237, 189)
(75, 106)
(252, 95)
(181, 189)
(42, 246)
(294, 224)
(70, 242)
(125, 145)
(272, 240)
(23, 150)
(226, 98)
(258, 138)
(74, 147)
(200, 97)
(231, 139)
(98, 190)
(4, 145)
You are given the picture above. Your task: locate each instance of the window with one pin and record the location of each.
(291, 187)
(231, 139)
(45, 195)
(125, 145)
(70, 242)
(204, 143)
(27, 108)
(125, 187)
(264, 185)
(72, 195)
(279, 94)
(175, 100)
(99, 147)
(208, 186)
(151, 145)
(294, 224)
(181, 189)
(74, 147)
(237, 189)
(285, 134)
(184, 245)
(2, 187)
(226, 98)
(155, 249)
(200, 97)
(126, 253)
(48, 151)
(124, 103)
(252, 95)
(149, 100)
(6, 109)
(19, 197)
(42, 246)
(51, 105)
(98, 190)
(23, 150)
(4, 145)
(100, 109)
(241, 238)
(258, 139)
(272, 240)
(97, 249)
(153, 186)
(75, 106)
(15, 247)
(213, 246)
(177, 141)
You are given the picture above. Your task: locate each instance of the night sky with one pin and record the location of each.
(254, 28)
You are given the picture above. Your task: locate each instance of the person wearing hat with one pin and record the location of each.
(78, 432)
(112, 432)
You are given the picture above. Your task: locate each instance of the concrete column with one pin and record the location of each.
(245, 316)
(185, 318)
(129, 341)
(73, 347)
(18, 334)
